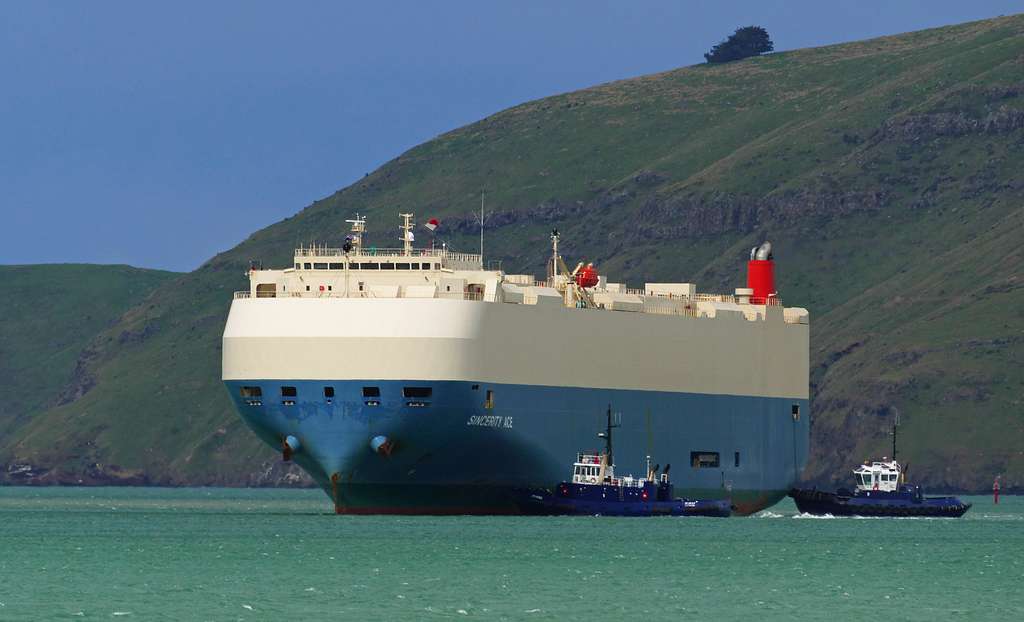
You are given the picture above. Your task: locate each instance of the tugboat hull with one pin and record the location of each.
(601, 500)
(899, 504)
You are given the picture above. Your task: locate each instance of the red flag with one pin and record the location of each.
(432, 224)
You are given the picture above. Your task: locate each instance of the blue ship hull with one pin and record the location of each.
(451, 453)
(905, 502)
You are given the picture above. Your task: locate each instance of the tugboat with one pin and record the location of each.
(881, 490)
(596, 490)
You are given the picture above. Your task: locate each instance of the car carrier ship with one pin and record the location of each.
(416, 381)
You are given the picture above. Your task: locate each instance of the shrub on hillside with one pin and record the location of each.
(745, 42)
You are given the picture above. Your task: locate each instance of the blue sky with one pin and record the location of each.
(160, 134)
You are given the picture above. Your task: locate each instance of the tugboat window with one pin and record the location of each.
(371, 391)
(704, 459)
(288, 392)
(416, 392)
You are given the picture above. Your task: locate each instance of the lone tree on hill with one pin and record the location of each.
(745, 42)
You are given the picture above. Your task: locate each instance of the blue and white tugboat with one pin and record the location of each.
(595, 489)
(881, 490)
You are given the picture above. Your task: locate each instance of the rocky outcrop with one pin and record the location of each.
(916, 128)
(82, 380)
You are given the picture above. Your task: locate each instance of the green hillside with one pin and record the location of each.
(48, 316)
(888, 174)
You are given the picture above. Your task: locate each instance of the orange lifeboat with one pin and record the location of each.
(587, 277)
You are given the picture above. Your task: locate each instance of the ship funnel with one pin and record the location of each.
(761, 274)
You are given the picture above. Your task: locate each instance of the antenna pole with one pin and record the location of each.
(481, 228)
(608, 436)
(895, 425)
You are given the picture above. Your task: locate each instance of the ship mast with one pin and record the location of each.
(553, 266)
(607, 436)
(895, 425)
(356, 236)
(407, 234)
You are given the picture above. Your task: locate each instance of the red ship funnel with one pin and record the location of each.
(761, 273)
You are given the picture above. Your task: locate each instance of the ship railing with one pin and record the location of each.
(478, 296)
(461, 295)
(685, 310)
(442, 253)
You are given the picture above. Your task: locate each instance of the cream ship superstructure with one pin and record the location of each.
(416, 381)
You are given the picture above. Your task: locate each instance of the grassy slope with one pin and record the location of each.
(48, 315)
(887, 172)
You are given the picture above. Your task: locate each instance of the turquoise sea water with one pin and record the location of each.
(236, 554)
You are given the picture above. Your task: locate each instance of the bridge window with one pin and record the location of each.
(387, 266)
(419, 392)
(401, 266)
(369, 266)
(309, 266)
(704, 459)
(337, 266)
(298, 266)
(320, 266)
(424, 266)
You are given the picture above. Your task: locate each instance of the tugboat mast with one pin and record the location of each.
(607, 436)
(895, 425)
